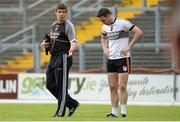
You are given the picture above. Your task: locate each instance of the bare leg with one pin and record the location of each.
(113, 86)
(122, 85)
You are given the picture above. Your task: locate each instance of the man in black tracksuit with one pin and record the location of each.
(61, 47)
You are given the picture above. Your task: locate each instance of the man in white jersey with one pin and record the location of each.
(116, 47)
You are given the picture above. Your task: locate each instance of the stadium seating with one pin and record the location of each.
(88, 31)
(43, 27)
(142, 57)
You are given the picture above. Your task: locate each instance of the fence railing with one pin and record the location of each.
(24, 43)
(157, 45)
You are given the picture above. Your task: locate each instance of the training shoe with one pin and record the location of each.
(111, 115)
(72, 110)
(123, 115)
(55, 115)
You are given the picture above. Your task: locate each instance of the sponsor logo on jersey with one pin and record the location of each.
(117, 35)
(113, 35)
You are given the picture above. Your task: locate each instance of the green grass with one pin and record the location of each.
(85, 112)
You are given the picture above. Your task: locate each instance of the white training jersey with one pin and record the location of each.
(118, 37)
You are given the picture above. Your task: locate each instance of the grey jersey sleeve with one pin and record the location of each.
(71, 32)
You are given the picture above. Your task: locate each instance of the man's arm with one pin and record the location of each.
(72, 37)
(104, 45)
(72, 48)
(136, 37)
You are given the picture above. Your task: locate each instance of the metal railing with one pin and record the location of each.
(79, 9)
(24, 43)
(40, 14)
(157, 10)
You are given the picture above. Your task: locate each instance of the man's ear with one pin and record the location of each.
(108, 15)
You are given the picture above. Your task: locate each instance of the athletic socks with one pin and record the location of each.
(115, 111)
(123, 109)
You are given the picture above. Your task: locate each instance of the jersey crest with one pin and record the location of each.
(111, 28)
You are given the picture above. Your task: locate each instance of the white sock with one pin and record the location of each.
(115, 111)
(123, 109)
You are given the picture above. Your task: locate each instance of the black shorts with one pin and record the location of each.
(122, 65)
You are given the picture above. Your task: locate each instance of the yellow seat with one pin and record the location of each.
(86, 31)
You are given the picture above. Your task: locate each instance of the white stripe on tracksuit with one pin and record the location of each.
(63, 100)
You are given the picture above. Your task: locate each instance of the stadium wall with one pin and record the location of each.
(93, 88)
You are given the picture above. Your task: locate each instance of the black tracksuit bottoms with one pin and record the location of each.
(57, 82)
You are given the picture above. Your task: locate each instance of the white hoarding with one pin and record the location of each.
(151, 88)
(142, 88)
(94, 87)
(89, 87)
(33, 87)
(178, 88)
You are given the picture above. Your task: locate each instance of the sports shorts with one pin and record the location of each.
(122, 65)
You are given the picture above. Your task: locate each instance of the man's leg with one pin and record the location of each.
(122, 84)
(51, 82)
(71, 103)
(61, 78)
(113, 86)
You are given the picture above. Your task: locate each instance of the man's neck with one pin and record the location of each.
(61, 21)
(113, 19)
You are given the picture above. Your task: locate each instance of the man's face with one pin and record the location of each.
(61, 14)
(105, 20)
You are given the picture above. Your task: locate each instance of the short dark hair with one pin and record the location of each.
(103, 12)
(61, 6)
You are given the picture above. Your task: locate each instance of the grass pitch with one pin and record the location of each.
(86, 112)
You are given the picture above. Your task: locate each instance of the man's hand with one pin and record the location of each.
(124, 51)
(45, 43)
(72, 48)
(70, 53)
(106, 52)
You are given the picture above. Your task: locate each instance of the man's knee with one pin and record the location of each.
(113, 89)
(122, 87)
